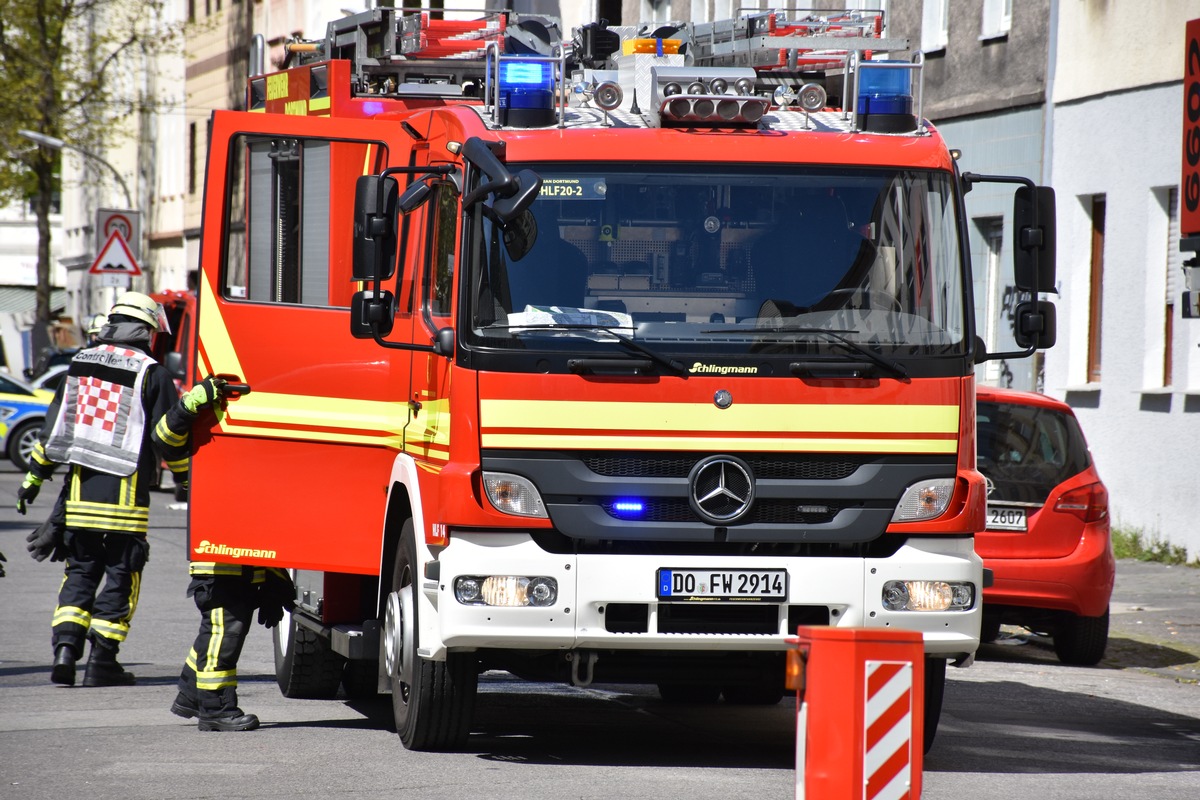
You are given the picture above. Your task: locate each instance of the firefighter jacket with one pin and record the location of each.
(98, 500)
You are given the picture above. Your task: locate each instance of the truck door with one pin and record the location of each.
(295, 472)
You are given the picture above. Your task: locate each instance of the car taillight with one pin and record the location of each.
(1089, 503)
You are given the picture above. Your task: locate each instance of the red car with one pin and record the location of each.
(1048, 540)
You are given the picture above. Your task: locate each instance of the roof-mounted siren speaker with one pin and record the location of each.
(702, 97)
(885, 97)
(608, 96)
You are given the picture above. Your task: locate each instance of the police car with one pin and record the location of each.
(22, 412)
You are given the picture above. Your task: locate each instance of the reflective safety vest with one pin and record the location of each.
(101, 421)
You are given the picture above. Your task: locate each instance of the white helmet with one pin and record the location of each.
(98, 322)
(144, 308)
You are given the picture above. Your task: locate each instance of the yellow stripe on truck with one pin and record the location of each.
(765, 426)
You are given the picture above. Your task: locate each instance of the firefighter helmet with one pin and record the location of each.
(142, 307)
(97, 322)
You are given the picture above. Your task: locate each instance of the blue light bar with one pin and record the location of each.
(885, 99)
(526, 93)
(531, 74)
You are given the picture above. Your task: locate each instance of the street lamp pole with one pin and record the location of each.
(58, 144)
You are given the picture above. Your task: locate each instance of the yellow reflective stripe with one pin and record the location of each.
(213, 568)
(212, 681)
(191, 659)
(179, 466)
(116, 631)
(340, 419)
(112, 509)
(64, 614)
(760, 426)
(168, 436)
(216, 618)
(39, 455)
(94, 522)
(429, 432)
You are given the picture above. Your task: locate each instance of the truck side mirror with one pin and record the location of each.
(528, 184)
(1034, 242)
(173, 361)
(375, 214)
(372, 313)
(1035, 324)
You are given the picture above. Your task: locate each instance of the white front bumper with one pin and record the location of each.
(851, 588)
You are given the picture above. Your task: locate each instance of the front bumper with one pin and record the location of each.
(850, 589)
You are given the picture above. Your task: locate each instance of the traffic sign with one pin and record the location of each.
(126, 221)
(115, 259)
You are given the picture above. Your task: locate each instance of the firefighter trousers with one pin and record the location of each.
(83, 606)
(209, 676)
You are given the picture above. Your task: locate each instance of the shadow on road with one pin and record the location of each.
(1122, 653)
(1011, 727)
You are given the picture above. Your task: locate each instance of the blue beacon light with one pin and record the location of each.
(885, 100)
(526, 94)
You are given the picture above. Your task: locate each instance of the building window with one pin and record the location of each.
(191, 156)
(1174, 265)
(1096, 291)
(997, 19)
(935, 25)
(997, 300)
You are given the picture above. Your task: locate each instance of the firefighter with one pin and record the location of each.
(100, 425)
(94, 327)
(226, 596)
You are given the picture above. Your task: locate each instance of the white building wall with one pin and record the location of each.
(1144, 436)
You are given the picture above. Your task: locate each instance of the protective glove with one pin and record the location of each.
(2, 560)
(28, 491)
(275, 595)
(205, 393)
(46, 540)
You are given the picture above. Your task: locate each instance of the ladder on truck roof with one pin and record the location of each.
(396, 52)
(783, 47)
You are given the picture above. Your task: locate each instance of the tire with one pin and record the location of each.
(432, 701)
(21, 442)
(689, 694)
(989, 629)
(935, 692)
(304, 664)
(1081, 641)
(361, 679)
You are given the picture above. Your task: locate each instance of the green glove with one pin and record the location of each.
(204, 393)
(28, 491)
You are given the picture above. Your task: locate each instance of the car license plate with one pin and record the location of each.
(722, 584)
(1006, 519)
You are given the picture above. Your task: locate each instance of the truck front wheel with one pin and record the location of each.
(432, 701)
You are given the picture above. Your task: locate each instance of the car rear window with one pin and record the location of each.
(1026, 451)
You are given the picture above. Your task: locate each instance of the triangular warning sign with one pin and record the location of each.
(115, 258)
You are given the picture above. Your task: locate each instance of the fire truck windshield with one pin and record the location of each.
(691, 262)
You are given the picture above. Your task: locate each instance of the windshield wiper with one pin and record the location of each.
(838, 335)
(672, 364)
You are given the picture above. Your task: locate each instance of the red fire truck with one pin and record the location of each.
(603, 360)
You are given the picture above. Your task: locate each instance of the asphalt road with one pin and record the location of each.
(1016, 724)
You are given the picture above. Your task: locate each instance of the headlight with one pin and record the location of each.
(505, 590)
(928, 596)
(512, 494)
(924, 500)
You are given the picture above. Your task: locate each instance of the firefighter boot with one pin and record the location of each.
(232, 721)
(103, 669)
(185, 706)
(63, 670)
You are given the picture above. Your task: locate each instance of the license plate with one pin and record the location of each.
(722, 584)
(1006, 519)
